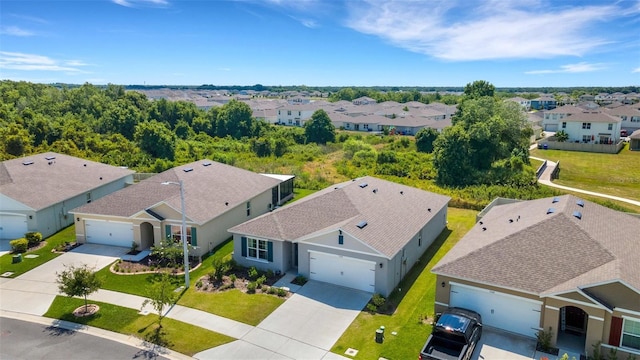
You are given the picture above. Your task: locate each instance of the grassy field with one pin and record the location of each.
(44, 253)
(613, 174)
(415, 298)
(179, 336)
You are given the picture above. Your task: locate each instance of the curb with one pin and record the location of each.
(94, 331)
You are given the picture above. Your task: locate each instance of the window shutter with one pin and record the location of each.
(244, 246)
(194, 238)
(269, 251)
(616, 331)
(167, 231)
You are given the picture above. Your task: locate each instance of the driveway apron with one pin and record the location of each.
(34, 291)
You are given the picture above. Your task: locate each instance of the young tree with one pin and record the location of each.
(161, 296)
(319, 129)
(78, 281)
(425, 138)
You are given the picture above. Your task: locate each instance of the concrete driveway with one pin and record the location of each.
(34, 291)
(497, 344)
(305, 327)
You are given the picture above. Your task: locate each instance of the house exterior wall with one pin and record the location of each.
(597, 317)
(281, 255)
(576, 132)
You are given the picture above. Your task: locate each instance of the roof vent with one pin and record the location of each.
(226, 203)
(481, 223)
(206, 164)
(429, 209)
(361, 224)
(401, 192)
(375, 191)
(187, 169)
(577, 214)
(25, 163)
(510, 220)
(484, 228)
(580, 203)
(555, 200)
(85, 165)
(551, 210)
(364, 185)
(49, 157)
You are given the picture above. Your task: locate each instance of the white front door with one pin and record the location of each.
(12, 226)
(109, 233)
(342, 270)
(500, 310)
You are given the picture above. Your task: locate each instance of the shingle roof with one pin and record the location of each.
(524, 246)
(209, 191)
(52, 178)
(592, 117)
(394, 214)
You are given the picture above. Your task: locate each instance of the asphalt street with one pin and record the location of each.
(25, 340)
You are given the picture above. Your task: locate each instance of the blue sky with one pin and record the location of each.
(322, 43)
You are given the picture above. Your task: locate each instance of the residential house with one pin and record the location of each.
(37, 191)
(634, 140)
(629, 115)
(560, 264)
(592, 127)
(216, 197)
(543, 103)
(553, 118)
(364, 100)
(364, 234)
(525, 103)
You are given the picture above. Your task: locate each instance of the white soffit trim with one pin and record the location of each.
(537, 302)
(637, 313)
(577, 302)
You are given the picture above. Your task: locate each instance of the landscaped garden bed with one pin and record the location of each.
(148, 265)
(227, 275)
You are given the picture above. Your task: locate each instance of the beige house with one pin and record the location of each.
(364, 234)
(217, 196)
(561, 264)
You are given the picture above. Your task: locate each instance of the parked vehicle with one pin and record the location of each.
(454, 336)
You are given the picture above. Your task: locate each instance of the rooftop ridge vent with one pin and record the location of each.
(363, 185)
(49, 157)
(25, 163)
(361, 224)
(577, 214)
(580, 203)
(555, 200)
(551, 210)
(206, 164)
(187, 169)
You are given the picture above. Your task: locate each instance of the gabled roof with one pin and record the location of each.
(394, 214)
(546, 246)
(50, 178)
(210, 189)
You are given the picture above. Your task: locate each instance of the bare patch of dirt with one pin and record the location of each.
(88, 310)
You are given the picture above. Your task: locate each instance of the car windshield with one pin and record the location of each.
(453, 322)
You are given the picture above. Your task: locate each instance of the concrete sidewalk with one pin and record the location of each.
(545, 179)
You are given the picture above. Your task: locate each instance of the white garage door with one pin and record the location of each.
(503, 311)
(342, 270)
(12, 226)
(109, 233)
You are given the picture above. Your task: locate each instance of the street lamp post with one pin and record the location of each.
(183, 234)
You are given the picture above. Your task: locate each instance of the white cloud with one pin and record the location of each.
(15, 31)
(475, 30)
(134, 3)
(636, 70)
(580, 67)
(33, 62)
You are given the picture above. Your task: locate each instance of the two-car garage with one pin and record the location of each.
(342, 270)
(504, 311)
(109, 233)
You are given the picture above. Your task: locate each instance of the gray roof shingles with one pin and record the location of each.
(543, 253)
(47, 182)
(392, 217)
(209, 191)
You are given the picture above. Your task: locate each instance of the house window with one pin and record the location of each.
(289, 112)
(257, 249)
(176, 233)
(299, 113)
(586, 126)
(610, 127)
(564, 125)
(340, 239)
(290, 122)
(586, 138)
(248, 208)
(631, 334)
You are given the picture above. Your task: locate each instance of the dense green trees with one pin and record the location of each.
(425, 138)
(319, 128)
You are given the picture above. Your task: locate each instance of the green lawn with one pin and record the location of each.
(179, 336)
(45, 254)
(613, 174)
(415, 296)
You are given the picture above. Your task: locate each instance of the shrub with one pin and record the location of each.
(251, 288)
(220, 268)
(19, 245)
(378, 300)
(33, 237)
(282, 292)
(372, 308)
(299, 280)
(199, 284)
(233, 278)
(261, 280)
(270, 274)
(271, 290)
(253, 272)
(264, 288)
(544, 339)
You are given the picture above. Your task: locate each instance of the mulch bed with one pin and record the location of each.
(146, 267)
(241, 283)
(83, 311)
